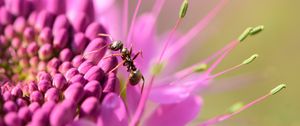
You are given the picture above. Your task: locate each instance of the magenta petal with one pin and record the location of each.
(55, 6)
(176, 92)
(177, 114)
(113, 111)
(82, 122)
(79, 43)
(93, 30)
(133, 96)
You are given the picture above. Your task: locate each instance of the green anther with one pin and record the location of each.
(235, 107)
(156, 69)
(251, 59)
(277, 89)
(200, 68)
(256, 30)
(245, 34)
(183, 8)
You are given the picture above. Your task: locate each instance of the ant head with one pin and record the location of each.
(116, 45)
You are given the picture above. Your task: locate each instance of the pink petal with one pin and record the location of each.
(113, 111)
(103, 5)
(82, 122)
(176, 92)
(144, 37)
(177, 114)
(107, 13)
(133, 96)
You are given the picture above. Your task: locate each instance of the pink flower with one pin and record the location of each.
(59, 67)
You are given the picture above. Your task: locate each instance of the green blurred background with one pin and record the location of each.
(279, 62)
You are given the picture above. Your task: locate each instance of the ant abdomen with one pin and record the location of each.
(135, 77)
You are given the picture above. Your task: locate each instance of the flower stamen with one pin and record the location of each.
(223, 117)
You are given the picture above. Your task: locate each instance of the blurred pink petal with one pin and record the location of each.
(177, 114)
(113, 111)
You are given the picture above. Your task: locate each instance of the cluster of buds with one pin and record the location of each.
(43, 76)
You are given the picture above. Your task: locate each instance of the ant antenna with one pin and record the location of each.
(97, 50)
(106, 35)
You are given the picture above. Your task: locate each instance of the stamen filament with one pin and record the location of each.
(245, 62)
(223, 117)
(133, 21)
(189, 70)
(125, 17)
(186, 38)
(178, 22)
(217, 62)
(226, 71)
(138, 114)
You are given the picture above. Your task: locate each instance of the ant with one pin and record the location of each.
(135, 75)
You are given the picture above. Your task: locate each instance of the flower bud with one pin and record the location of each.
(93, 29)
(92, 88)
(9, 32)
(10, 106)
(34, 106)
(110, 83)
(12, 119)
(95, 45)
(24, 114)
(108, 64)
(5, 16)
(32, 18)
(21, 102)
(66, 55)
(45, 36)
(94, 73)
(74, 92)
(45, 52)
(40, 117)
(19, 24)
(62, 114)
(59, 81)
(17, 92)
(52, 94)
(79, 43)
(70, 73)
(44, 85)
(29, 34)
(90, 108)
(80, 22)
(79, 79)
(61, 22)
(64, 67)
(36, 96)
(85, 66)
(55, 6)
(60, 39)
(77, 61)
(44, 76)
(44, 19)
(54, 63)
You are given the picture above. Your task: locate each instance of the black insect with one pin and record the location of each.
(135, 75)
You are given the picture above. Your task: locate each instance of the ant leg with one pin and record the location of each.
(112, 55)
(136, 55)
(106, 35)
(117, 66)
(143, 79)
(97, 50)
(130, 50)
